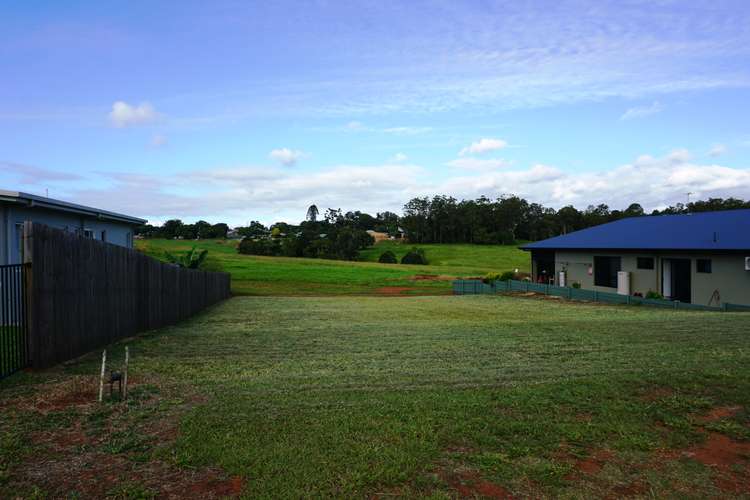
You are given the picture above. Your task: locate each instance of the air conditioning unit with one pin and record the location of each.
(747, 263)
(623, 283)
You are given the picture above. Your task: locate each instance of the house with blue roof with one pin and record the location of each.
(87, 222)
(700, 258)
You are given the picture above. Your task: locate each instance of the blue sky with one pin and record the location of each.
(237, 111)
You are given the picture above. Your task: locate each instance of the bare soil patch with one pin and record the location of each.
(78, 446)
(468, 484)
(719, 413)
(432, 277)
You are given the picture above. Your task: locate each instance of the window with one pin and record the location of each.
(703, 265)
(104, 235)
(605, 271)
(645, 262)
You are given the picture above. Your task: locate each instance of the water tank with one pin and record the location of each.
(561, 281)
(623, 282)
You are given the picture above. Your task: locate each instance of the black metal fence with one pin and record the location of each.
(14, 345)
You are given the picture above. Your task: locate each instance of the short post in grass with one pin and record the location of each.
(101, 375)
(125, 374)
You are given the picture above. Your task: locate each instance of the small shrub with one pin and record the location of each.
(575, 284)
(654, 295)
(388, 257)
(192, 259)
(507, 276)
(414, 256)
(250, 246)
(490, 278)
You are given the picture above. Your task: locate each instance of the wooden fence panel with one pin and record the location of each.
(84, 294)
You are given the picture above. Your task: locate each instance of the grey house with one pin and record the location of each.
(701, 258)
(88, 222)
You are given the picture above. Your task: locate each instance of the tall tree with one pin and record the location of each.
(312, 213)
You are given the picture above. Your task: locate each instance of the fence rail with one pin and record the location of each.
(84, 294)
(13, 327)
(477, 287)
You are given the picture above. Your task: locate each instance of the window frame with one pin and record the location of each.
(650, 267)
(611, 279)
(707, 267)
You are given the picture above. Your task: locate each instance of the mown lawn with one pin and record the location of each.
(253, 275)
(490, 257)
(356, 397)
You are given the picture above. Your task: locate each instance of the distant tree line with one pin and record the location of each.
(175, 228)
(336, 236)
(505, 220)
(440, 219)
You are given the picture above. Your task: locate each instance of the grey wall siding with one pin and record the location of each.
(14, 216)
(577, 267)
(728, 276)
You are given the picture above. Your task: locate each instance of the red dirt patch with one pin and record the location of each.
(468, 484)
(431, 277)
(719, 451)
(213, 487)
(592, 464)
(726, 456)
(719, 413)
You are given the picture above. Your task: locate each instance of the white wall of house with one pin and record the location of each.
(727, 277)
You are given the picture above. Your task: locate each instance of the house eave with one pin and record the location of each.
(34, 201)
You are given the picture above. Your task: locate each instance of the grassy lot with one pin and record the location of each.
(489, 257)
(253, 275)
(419, 396)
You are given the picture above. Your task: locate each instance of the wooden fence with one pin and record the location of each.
(84, 294)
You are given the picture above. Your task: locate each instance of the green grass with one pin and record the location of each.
(354, 396)
(485, 257)
(11, 349)
(253, 275)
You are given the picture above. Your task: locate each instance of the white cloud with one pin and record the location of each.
(158, 141)
(406, 130)
(124, 114)
(286, 156)
(355, 126)
(275, 193)
(642, 111)
(12, 173)
(479, 164)
(717, 150)
(399, 157)
(483, 146)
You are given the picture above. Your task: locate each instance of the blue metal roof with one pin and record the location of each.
(726, 230)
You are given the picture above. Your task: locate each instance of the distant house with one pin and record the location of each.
(377, 236)
(88, 222)
(701, 258)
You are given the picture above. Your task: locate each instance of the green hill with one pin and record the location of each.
(255, 275)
